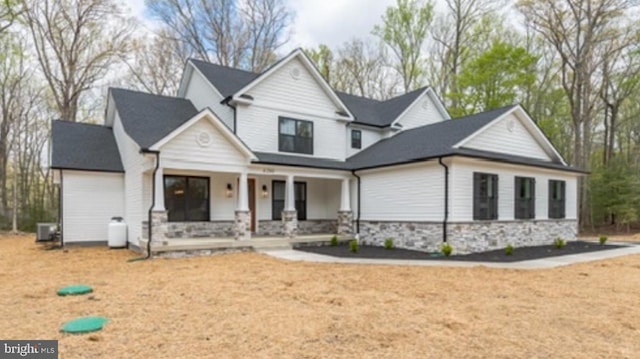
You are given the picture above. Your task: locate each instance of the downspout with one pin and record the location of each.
(153, 200)
(60, 209)
(353, 172)
(446, 200)
(226, 102)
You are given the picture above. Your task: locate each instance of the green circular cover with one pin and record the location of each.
(75, 289)
(84, 325)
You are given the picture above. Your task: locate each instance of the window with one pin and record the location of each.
(278, 194)
(485, 196)
(295, 136)
(525, 198)
(557, 199)
(356, 139)
(186, 198)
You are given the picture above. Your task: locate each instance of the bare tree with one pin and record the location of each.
(405, 29)
(155, 64)
(578, 30)
(224, 31)
(453, 37)
(8, 13)
(76, 42)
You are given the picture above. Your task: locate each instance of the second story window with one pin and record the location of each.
(356, 139)
(295, 136)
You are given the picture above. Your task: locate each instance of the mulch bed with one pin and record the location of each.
(497, 256)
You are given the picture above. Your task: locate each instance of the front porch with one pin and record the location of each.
(195, 246)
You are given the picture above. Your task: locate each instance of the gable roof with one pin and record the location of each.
(424, 142)
(226, 79)
(148, 118)
(81, 146)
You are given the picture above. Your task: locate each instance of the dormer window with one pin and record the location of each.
(356, 139)
(295, 136)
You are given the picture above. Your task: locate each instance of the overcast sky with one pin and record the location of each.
(329, 22)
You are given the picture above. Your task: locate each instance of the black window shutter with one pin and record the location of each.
(532, 202)
(476, 196)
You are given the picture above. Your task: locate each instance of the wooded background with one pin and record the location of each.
(573, 64)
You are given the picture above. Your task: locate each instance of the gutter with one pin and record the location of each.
(446, 200)
(353, 172)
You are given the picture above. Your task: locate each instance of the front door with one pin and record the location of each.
(252, 203)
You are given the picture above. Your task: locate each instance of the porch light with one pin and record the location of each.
(265, 193)
(229, 190)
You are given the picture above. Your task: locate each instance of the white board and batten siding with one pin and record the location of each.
(89, 201)
(202, 94)
(403, 193)
(302, 98)
(461, 193)
(420, 113)
(509, 135)
(132, 161)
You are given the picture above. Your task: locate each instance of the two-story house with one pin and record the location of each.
(238, 155)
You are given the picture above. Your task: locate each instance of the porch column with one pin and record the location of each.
(345, 215)
(289, 214)
(242, 224)
(159, 191)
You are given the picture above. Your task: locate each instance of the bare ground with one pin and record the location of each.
(252, 306)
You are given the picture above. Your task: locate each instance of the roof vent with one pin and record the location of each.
(295, 73)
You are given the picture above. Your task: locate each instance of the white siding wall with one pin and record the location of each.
(369, 137)
(258, 128)
(403, 193)
(185, 148)
(89, 201)
(202, 95)
(302, 98)
(461, 194)
(498, 138)
(422, 112)
(132, 161)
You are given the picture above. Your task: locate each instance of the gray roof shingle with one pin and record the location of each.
(81, 146)
(149, 118)
(299, 161)
(226, 79)
(423, 142)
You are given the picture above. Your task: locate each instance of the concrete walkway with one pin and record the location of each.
(551, 262)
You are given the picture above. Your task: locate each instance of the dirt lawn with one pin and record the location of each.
(252, 306)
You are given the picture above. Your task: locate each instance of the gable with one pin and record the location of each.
(202, 142)
(510, 135)
(294, 86)
(423, 111)
(203, 95)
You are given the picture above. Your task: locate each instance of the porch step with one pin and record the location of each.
(270, 244)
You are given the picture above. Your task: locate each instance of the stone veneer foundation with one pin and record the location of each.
(468, 237)
(195, 229)
(310, 226)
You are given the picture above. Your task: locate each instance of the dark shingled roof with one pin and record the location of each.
(299, 161)
(367, 111)
(226, 79)
(81, 146)
(149, 118)
(423, 142)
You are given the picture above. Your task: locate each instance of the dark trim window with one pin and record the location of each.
(525, 198)
(485, 196)
(295, 136)
(356, 139)
(277, 199)
(557, 191)
(186, 198)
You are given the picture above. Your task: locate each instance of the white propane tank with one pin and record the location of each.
(117, 237)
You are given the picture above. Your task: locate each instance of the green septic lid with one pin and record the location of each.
(75, 289)
(84, 325)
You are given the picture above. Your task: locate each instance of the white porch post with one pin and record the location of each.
(345, 215)
(243, 195)
(289, 214)
(159, 191)
(290, 202)
(242, 224)
(345, 199)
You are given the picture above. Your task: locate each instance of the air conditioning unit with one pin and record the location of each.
(46, 232)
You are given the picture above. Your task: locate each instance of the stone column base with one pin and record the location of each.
(290, 223)
(159, 227)
(345, 222)
(242, 225)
